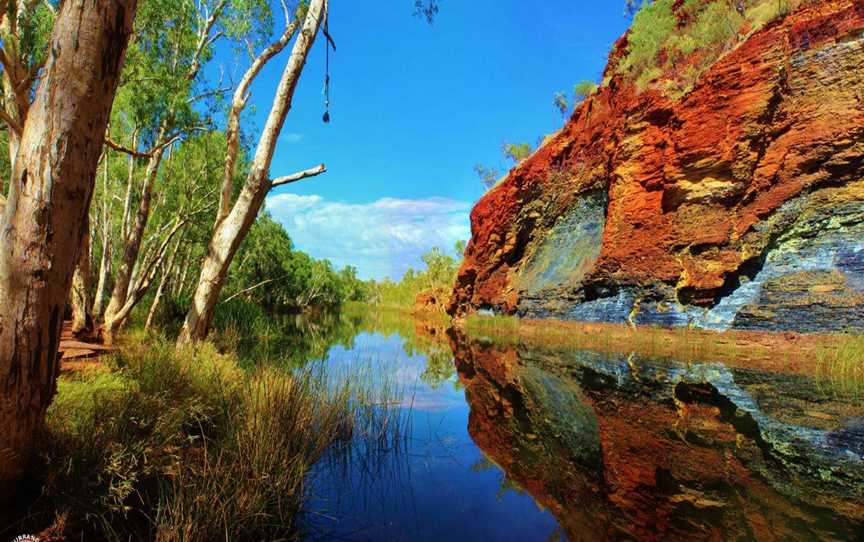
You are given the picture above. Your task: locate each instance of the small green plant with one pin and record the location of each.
(582, 90)
(516, 152)
(498, 326)
(488, 175)
(183, 444)
(559, 100)
(679, 40)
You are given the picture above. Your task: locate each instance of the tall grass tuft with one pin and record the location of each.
(840, 368)
(182, 445)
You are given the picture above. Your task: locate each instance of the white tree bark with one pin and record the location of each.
(42, 226)
(167, 273)
(105, 259)
(230, 231)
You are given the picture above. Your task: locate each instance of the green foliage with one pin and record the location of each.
(516, 152)
(436, 280)
(559, 100)
(679, 40)
(184, 445)
(840, 368)
(582, 90)
(268, 272)
(488, 175)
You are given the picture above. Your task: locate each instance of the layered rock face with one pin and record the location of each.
(738, 205)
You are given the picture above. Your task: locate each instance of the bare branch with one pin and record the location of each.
(10, 122)
(256, 286)
(126, 150)
(299, 176)
(205, 40)
(238, 103)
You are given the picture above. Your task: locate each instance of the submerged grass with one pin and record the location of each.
(840, 368)
(836, 360)
(170, 444)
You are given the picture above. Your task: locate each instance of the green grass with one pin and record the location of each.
(840, 368)
(497, 327)
(185, 445)
(671, 43)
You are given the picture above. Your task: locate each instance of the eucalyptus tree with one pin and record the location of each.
(24, 31)
(234, 221)
(163, 89)
(53, 172)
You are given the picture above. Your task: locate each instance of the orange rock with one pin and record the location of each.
(693, 186)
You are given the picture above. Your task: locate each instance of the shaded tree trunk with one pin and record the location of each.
(230, 231)
(81, 319)
(105, 260)
(167, 273)
(43, 223)
(132, 249)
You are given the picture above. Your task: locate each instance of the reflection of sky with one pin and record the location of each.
(441, 487)
(385, 356)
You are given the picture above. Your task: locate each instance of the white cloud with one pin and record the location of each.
(292, 137)
(382, 238)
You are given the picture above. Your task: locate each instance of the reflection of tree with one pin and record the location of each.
(439, 368)
(310, 335)
(420, 337)
(504, 483)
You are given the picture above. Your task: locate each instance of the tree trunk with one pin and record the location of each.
(105, 260)
(40, 235)
(163, 281)
(132, 249)
(230, 231)
(81, 320)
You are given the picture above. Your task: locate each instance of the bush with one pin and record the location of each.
(171, 444)
(583, 90)
(680, 40)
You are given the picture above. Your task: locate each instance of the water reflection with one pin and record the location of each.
(624, 448)
(527, 443)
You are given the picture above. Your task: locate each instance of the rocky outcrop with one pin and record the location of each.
(738, 205)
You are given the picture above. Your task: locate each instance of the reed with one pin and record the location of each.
(175, 445)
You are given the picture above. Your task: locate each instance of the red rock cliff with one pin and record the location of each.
(739, 204)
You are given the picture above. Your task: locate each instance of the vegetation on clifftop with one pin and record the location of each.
(671, 43)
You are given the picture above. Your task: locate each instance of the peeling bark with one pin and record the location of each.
(43, 223)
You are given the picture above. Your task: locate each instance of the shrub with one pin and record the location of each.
(171, 444)
(583, 90)
(679, 40)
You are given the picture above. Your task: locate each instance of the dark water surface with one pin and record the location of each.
(525, 443)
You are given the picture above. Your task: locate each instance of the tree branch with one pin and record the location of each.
(238, 103)
(126, 150)
(249, 289)
(299, 176)
(7, 118)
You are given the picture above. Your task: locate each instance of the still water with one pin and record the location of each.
(526, 443)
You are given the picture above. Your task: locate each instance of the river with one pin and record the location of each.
(522, 442)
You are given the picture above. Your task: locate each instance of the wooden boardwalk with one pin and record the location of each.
(79, 352)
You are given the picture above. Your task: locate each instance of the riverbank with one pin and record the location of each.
(154, 442)
(835, 359)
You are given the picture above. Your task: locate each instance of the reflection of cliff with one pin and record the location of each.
(619, 448)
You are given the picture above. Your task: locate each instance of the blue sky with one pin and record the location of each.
(414, 108)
